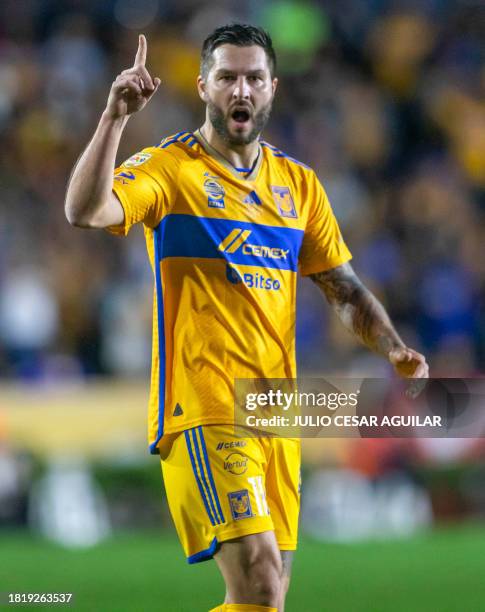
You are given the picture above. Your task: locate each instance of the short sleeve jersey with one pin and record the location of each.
(225, 247)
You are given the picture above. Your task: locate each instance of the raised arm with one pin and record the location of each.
(90, 201)
(364, 315)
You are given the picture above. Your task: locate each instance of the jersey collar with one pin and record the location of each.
(209, 149)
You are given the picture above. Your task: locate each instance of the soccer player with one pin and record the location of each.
(228, 220)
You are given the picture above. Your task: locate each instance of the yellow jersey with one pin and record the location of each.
(225, 245)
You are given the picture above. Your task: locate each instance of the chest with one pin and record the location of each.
(271, 199)
(252, 223)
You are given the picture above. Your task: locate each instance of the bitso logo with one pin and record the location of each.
(236, 463)
(252, 281)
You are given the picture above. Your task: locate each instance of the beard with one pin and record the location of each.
(219, 122)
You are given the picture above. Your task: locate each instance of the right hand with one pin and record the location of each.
(133, 88)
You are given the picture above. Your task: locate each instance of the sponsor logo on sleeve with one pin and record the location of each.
(240, 504)
(137, 160)
(124, 177)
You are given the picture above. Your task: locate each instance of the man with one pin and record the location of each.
(228, 218)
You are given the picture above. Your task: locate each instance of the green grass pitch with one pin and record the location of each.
(443, 571)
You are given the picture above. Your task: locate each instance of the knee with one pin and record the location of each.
(285, 583)
(263, 579)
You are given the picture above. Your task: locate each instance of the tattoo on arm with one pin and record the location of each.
(360, 311)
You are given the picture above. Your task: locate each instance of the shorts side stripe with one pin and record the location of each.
(205, 473)
(199, 483)
(209, 472)
(203, 477)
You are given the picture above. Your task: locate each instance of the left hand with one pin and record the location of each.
(408, 363)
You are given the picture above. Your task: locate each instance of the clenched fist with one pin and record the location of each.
(408, 363)
(133, 88)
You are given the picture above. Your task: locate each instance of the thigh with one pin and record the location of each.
(215, 485)
(283, 489)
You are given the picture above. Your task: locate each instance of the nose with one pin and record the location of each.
(241, 89)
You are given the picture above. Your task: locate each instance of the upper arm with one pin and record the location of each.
(110, 214)
(145, 186)
(341, 285)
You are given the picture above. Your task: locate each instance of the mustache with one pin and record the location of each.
(248, 108)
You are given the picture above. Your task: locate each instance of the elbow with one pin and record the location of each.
(75, 217)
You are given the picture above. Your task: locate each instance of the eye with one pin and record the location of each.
(227, 77)
(254, 78)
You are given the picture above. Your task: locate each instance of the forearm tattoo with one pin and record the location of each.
(360, 311)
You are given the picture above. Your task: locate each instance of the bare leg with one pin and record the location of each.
(252, 569)
(287, 561)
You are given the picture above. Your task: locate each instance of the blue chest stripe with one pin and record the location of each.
(237, 242)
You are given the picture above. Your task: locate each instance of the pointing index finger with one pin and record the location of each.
(141, 54)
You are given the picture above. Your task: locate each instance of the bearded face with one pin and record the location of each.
(238, 91)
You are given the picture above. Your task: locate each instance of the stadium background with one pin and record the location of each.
(386, 101)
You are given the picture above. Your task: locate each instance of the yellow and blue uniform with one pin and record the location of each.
(225, 246)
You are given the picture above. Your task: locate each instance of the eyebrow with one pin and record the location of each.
(231, 71)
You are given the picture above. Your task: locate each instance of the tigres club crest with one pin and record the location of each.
(284, 201)
(240, 504)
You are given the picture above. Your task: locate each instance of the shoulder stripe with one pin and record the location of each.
(278, 153)
(185, 137)
(192, 142)
(173, 136)
(171, 139)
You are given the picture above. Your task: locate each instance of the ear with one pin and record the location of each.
(201, 89)
(274, 85)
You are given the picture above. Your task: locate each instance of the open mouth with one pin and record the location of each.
(240, 116)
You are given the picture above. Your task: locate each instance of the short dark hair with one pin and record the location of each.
(241, 35)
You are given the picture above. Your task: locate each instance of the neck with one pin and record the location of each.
(240, 156)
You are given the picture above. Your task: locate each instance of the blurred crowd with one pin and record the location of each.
(385, 100)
